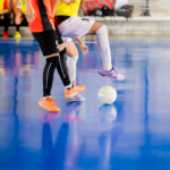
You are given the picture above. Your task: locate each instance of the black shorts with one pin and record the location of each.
(24, 21)
(59, 19)
(48, 41)
(4, 19)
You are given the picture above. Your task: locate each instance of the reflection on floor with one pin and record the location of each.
(133, 133)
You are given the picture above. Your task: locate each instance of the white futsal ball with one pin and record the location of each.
(107, 94)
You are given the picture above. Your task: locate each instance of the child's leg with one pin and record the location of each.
(72, 57)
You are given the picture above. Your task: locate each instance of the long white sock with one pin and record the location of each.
(104, 47)
(71, 64)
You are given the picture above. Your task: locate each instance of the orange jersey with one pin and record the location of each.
(44, 16)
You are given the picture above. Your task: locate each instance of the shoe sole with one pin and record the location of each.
(101, 74)
(70, 100)
(110, 77)
(46, 109)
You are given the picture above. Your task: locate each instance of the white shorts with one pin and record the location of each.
(66, 40)
(75, 27)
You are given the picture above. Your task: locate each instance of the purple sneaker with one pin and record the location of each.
(76, 98)
(114, 74)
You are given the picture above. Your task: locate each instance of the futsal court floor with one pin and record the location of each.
(131, 134)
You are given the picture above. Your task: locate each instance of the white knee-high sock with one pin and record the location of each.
(104, 47)
(71, 64)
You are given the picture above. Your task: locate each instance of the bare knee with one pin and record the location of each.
(18, 18)
(72, 54)
(96, 26)
(71, 49)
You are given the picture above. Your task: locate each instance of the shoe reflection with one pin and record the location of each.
(73, 113)
(49, 117)
(108, 113)
(64, 151)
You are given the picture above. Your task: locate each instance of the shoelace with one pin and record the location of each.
(51, 101)
(112, 72)
(115, 70)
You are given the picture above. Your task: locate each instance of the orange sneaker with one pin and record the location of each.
(75, 90)
(48, 104)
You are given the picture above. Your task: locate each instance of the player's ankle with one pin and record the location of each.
(44, 98)
(69, 87)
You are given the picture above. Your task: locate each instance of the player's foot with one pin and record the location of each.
(48, 104)
(17, 35)
(114, 74)
(5, 34)
(74, 91)
(75, 98)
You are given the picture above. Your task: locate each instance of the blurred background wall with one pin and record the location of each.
(158, 8)
(149, 17)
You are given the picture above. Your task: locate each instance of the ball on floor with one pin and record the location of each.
(107, 94)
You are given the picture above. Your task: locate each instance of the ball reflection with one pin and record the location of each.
(108, 113)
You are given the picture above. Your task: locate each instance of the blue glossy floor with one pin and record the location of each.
(131, 134)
